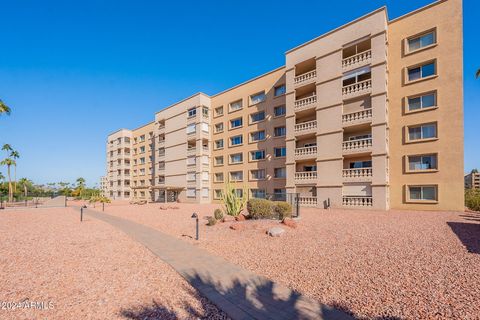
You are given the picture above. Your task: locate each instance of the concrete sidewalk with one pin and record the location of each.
(238, 292)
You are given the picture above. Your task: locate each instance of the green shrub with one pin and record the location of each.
(282, 209)
(472, 199)
(218, 214)
(211, 221)
(260, 208)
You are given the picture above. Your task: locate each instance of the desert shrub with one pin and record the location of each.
(218, 214)
(211, 221)
(282, 209)
(260, 208)
(472, 199)
(232, 203)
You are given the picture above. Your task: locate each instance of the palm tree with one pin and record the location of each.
(9, 162)
(25, 183)
(7, 147)
(478, 73)
(15, 155)
(80, 185)
(4, 108)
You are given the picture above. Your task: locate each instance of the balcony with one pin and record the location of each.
(306, 103)
(305, 177)
(357, 175)
(357, 201)
(306, 127)
(357, 146)
(191, 151)
(357, 117)
(357, 89)
(305, 78)
(305, 153)
(205, 148)
(307, 201)
(357, 60)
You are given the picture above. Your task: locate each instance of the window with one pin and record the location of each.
(424, 131)
(279, 195)
(205, 127)
(237, 140)
(192, 112)
(217, 194)
(219, 177)
(280, 173)
(359, 137)
(257, 136)
(278, 91)
(237, 105)
(142, 149)
(257, 98)
(420, 72)
(258, 193)
(257, 174)
(219, 127)
(205, 112)
(142, 160)
(280, 152)
(205, 176)
(142, 138)
(219, 111)
(259, 116)
(236, 158)
(191, 193)
(422, 102)
(422, 193)
(191, 128)
(421, 41)
(191, 161)
(205, 192)
(280, 131)
(309, 168)
(279, 111)
(358, 75)
(236, 123)
(257, 155)
(236, 175)
(219, 161)
(219, 144)
(191, 176)
(360, 164)
(422, 162)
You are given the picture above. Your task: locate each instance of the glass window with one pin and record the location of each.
(279, 194)
(421, 41)
(257, 154)
(259, 116)
(257, 136)
(219, 160)
(420, 72)
(424, 162)
(423, 193)
(258, 193)
(191, 128)
(280, 152)
(425, 131)
(258, 97)
(358, 75)
(236, 158)
(205, 112)
(219, 177)
(258, 174)
(280, 172)
(360, 164)
(237, 105)
(219, 144)
(421, 102)
(191, 192)
(279, 111)
(192, 112)
(236, 123)
(219, 111)
(236, 175)
(218, 193)
(279, 90)
(219, 127)
(237, 140)
(280, 131)
(239, 192)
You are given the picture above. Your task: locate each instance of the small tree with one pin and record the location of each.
(233, 204)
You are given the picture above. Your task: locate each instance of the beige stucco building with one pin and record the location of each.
(368, 115)
(472, 180)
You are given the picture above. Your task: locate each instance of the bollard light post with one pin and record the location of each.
(65, 201)
(195, 216)
(81, 212)
(103, 206)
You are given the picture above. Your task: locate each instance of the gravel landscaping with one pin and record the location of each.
(373, 264)
(52, 266)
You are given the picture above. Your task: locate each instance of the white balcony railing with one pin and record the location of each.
(205, 149)
(306, 126)
(357, 116)
(305, 176)
(357, 173)
(191, 151)
(311, 75)
(358, 87)
(307, 201)
(306, 151)
(359, 58)
(305, 102)
(357, 145)
(357, 201)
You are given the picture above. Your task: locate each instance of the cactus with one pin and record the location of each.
(232, 203)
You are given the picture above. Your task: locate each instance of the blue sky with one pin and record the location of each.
(75, 71)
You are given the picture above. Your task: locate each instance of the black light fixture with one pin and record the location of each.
(195, 216)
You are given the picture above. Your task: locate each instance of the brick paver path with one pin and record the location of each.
(238, 292)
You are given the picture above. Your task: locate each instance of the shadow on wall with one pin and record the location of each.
(468, 234)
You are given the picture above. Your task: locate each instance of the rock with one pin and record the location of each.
(275, 232)
(240, 217)
(289, 223)
(237, 226)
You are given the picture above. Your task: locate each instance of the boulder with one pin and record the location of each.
(240, 217)
(289, 223)
(275, 232)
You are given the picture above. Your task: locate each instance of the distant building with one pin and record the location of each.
(472, 180)
(104, 185)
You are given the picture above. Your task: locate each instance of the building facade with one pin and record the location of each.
(369, 115)
(472, 180)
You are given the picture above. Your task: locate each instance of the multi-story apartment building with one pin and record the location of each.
(119, 164)
(104, 186)
(472, 180)
(368, 115)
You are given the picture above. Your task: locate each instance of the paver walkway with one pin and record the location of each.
(238, 292)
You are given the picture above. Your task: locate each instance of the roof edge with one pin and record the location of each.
(185, 99)
(428, 6)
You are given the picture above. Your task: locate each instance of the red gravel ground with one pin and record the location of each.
(86, 270)
(373, 264)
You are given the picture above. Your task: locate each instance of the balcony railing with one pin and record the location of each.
(304, 127)
(359, 58)
(357, 201)
(358, 116)
(357, 145)
(305, 152)
(191, 151)
(308, 76)
(307, 201)
(358, 87)
(306, 102)
(357, 174)
(305, 176)
(205, 148)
